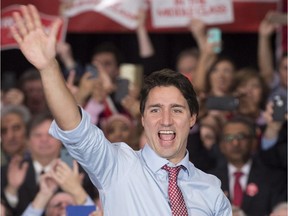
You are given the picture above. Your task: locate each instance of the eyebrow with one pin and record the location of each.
(172, 106)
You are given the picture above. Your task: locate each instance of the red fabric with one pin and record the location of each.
(248, 15)
(107, 111)
(177, 202)
(238, 193)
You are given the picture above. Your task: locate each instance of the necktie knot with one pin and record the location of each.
(238, 174)
(172, 171)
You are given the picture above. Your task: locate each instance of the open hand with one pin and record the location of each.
(38, 46)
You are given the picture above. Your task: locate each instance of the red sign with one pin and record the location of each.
(247, 16)
(8, 42)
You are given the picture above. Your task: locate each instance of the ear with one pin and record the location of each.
(142, 120)
(193, 119)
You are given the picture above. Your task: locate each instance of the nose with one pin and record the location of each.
(166, 118)
(235, 141)
(9, 134)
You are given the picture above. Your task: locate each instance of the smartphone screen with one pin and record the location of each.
(279, 108)
(214, 36)
(66, 157)
(122, 90)
(79, 210)
(226, 103)
(92, 69)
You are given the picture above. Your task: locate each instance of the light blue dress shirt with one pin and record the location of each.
(132, 182)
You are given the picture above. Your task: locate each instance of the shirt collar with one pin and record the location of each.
(155, 162)
(245, 169)
(39, 168)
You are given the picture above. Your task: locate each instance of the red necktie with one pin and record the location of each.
(177, 202)
(238, 193)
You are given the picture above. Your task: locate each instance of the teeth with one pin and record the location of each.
(166, 132)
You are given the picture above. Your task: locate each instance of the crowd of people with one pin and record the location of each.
(246, 138)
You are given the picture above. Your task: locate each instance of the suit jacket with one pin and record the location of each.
(202, 158)
(30, 188)
(265, 188)
(26, 192)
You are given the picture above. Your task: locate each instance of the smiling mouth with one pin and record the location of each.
(166, 135)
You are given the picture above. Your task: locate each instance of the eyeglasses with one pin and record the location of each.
(228, 138)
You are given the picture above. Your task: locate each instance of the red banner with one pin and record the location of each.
(8, 42)
(247, 14)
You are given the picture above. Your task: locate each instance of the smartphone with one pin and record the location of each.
(214, 36)
(278, 18)
(122, 90)
(225, 103)
(92, 69)
(80, 210)
(279, 108)
(66, 157)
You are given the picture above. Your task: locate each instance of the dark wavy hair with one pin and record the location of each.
(167, 77)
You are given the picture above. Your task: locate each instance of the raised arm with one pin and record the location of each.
(206, 57)
(39, 48)
(146, 48)
(265, 53)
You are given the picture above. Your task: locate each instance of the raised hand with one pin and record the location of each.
(197, 28)
(69, 180)
(266, 27)
(47, 188)
(16, 174)
(48, 185)
(65, 54)
(38, 46)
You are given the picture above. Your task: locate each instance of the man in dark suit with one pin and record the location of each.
(249, 185)
(19, 180)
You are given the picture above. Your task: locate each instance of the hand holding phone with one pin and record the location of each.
(214, 36)
(92, 69)
(279, 108)
(278, 18)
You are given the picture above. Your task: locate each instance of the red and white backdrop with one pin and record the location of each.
(162, 15)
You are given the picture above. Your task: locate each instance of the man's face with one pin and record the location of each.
(167, 122)
(222, 76)
(118, 131)
(13, 134)
(108, 62)
(237, 143)
(42, 144)
(34, 96)
(58, 203)
(187, 66)
(251, 92)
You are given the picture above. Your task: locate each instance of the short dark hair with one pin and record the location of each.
(167, 77)
(30, 74)
(245, 120)
(193, 52)
(39, 119)
(108, 47)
